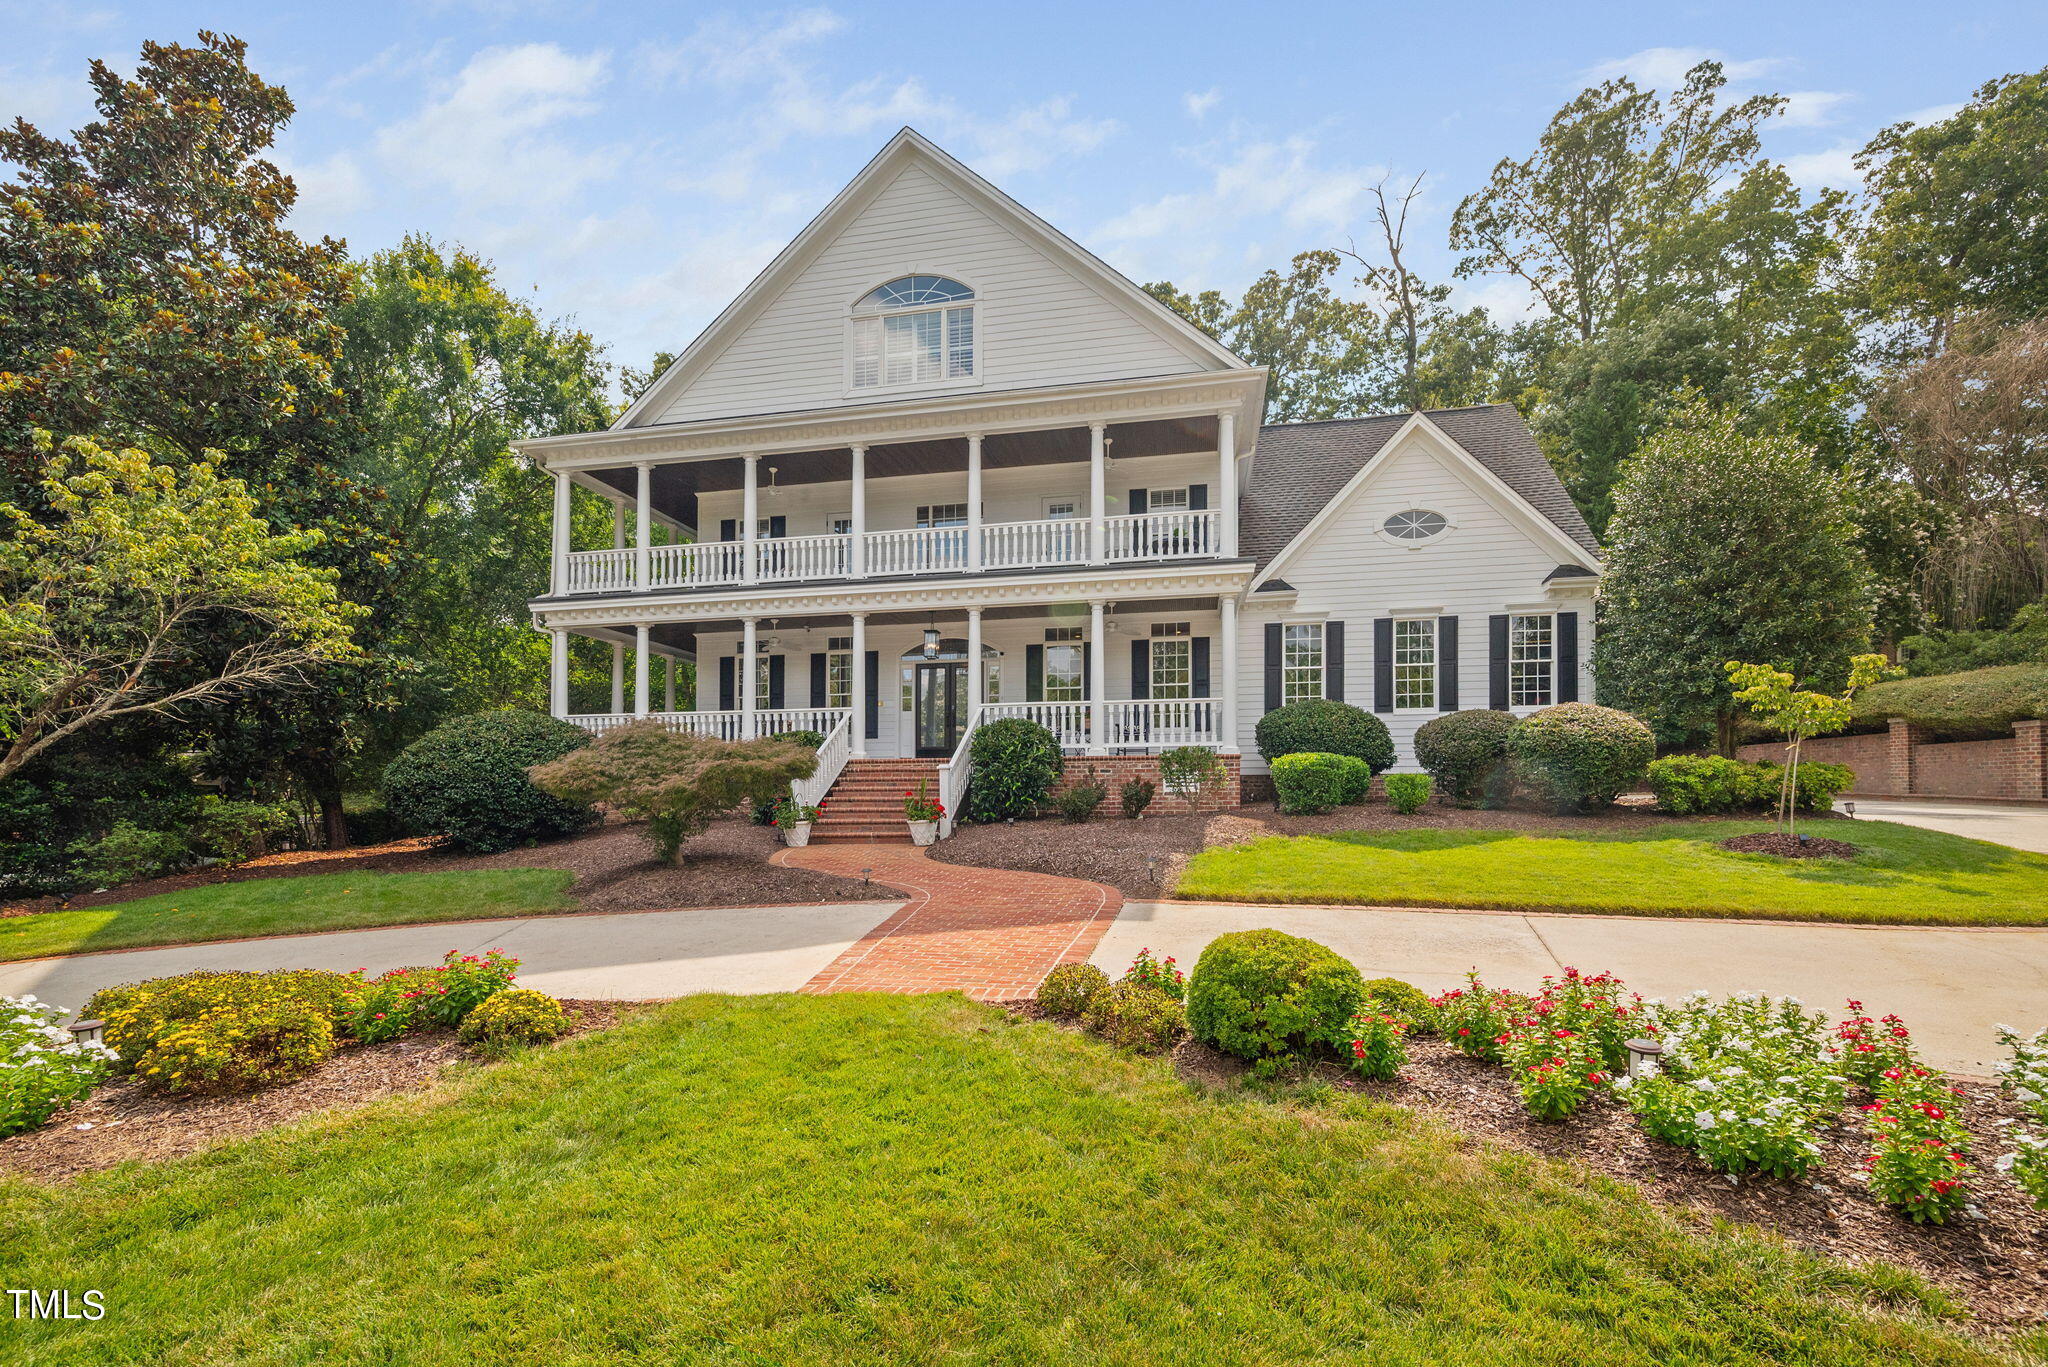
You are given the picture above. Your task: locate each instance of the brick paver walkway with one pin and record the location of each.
(991, 933)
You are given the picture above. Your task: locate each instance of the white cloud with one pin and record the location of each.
(1831, 168)
(487, 138)
(1503, 296)
(1199, 105)
(1934, 113)
(1812, 108)
(53, 103)
(1664, 68)
(329, 191)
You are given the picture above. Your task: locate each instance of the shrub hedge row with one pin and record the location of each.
(1974, 703)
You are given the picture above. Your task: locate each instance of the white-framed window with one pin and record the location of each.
(1173, 660)
(917, 329)
(1066, 665)
(942, 514)
(1414, 663)
(1167, 500)
(840, 524)
(839, 671)
(1063, 507)
(992, 682)
(1532, 660)
(1301, 662)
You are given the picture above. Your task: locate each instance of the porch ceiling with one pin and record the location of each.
(676, 485)
(682, 635)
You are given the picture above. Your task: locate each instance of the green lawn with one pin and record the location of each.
(1905, 875)
(279, 906)
(905, 1180)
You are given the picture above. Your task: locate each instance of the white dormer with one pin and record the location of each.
(913, 332)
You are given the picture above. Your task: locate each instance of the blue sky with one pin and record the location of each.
(635, 164)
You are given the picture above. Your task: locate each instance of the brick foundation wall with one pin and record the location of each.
(1113, 771)
(1905, 762)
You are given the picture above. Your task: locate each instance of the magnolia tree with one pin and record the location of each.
(110, 600)
(677, 782)
(1771, 698)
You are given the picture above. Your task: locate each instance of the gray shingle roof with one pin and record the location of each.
(1300, 466)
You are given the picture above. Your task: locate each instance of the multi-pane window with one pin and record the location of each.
(1062, 507)
(942, 514)
(992, 682)
(1301, 662)
(1065, 665)
(1532, 660)
(1415, 663)
(839, 671)
(840, 525)
(1173, 660)
(1167, 501)
(915, 330)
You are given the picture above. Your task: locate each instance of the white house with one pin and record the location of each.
(939, 465)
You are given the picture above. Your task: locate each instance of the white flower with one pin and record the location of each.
(1705, 1120)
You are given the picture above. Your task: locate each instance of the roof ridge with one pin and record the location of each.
(1380, 417)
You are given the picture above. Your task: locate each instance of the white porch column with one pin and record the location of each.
(749, 669)
(974, 505)
(1098, 675)
(857, 561)
(1226, 707)
(558, 582)
(618, 524)
(643, 528)
(668, 691)
(558, 672)
(750, 515)
(857, 695)
(642, 657)
(618, 677)
(1098, 494)
(1226, 482)
(976, 690)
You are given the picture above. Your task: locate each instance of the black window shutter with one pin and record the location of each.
(728, 529)
(1087, 669)
(874, 698)
(1497, 662)
(725, 689)
(1333, 661)
(1140, 499)
(1383, 664)
(778, 526)
(819, 697)
(1446, 664)
(1272, 665)
(1034, 673)
(775, 695)
(1567, 657)
(1198, 498)
(1141, 668)
(1199, 658)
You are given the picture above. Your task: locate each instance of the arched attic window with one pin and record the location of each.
(916, 329)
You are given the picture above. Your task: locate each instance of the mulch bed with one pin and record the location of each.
(1789, 846)
(122, 1121)
(1144, 858)
(615, 871)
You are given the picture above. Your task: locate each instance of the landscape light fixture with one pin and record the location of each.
(1642, 1056)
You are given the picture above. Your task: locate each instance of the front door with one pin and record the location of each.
(941, 708)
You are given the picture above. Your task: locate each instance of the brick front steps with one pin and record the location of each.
(865, 806)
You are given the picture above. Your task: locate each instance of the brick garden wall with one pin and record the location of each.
(1113, 771)
(1905, 762)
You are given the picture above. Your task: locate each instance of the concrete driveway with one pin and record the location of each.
(2004, 823)
(1951, 986)
(627, 957)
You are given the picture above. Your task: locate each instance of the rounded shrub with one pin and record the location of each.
(466, 780)
(1324, 727)
(1069, 988)
(1135, 1015)
(1016, 763)
(517, 1015)
(1309, 783)
(1579, 756)
(1466, 752)
(1264, 994)
(1700, 785)
(238, 1048)
(1397, 998)
(1357, 780)
(1409, 793)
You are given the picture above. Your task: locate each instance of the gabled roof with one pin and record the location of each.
(910, 147)
(1300, 467)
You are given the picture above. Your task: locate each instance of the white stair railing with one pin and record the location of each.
(831, 760)
(1030, 545)
(1162, 536)
(955, 773)
(600, 571)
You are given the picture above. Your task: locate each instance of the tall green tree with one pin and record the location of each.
(1726, 546)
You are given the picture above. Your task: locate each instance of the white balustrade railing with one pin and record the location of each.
(1067, 720)
(917, 550)
(831, 760)
(956, 773)
(1162, 723)
(768, 721)
(773, 721)
(600, 571)
(805, 557)
(695, 564)
(1162, 536)
(1029, 545)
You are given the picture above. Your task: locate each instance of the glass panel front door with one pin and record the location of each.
(940, 708)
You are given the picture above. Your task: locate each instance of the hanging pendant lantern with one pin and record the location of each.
(931, 643)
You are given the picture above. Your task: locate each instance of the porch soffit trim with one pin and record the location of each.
(781, 601)
(948, 416)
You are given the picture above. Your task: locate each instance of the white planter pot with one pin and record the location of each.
(797, 836)
(923, 832)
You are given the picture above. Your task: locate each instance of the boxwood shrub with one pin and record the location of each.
(466, 780)
(1397, 998)
(1134, 1015)
(1357, 779)
(1262, 994)
(1325, 728)
(1016, 763)
(1069, 988)
(1309, 783)
(1466, 752)
(1973, 704)
(1708, 785)
(1579, 756)
(1409, 793)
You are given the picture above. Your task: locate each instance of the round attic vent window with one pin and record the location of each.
(1416, 524)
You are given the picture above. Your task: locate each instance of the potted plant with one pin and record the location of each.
(794, 820)
(923, 812)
